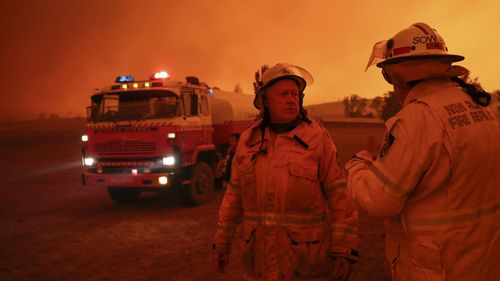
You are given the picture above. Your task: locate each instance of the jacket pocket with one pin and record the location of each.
(308, 253)
(427, 260)
(248, 185)
(304, 192)
(248, 249)
(393, 259)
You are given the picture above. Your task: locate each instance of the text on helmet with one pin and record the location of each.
(424, 39)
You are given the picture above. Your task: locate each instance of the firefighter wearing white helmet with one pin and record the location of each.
(436, 181)
(287, 191)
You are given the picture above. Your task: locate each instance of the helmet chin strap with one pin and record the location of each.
(286, 127)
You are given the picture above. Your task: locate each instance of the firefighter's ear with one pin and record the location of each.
(265, 101)
(386, 77)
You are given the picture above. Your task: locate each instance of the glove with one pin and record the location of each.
(342, 268)
(220, 261)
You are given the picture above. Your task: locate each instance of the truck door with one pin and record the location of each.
(206, 119)
(192, 129)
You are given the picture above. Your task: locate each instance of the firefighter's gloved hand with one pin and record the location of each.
(342, 268)
(363, 156)
(220, 261)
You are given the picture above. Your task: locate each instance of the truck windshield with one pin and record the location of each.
(133, 105)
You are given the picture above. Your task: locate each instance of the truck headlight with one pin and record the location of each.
(85, 138)
(171, 135)
(163, 180)
(88, 161)
(168, 160)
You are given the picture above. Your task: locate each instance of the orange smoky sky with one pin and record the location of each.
(54, 53)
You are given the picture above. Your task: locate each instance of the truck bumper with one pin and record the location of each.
(128, 180)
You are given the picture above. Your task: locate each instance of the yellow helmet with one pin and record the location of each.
(414, 42)
(278, 72)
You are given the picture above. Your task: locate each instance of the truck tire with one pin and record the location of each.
(123, 195)
(201, 188)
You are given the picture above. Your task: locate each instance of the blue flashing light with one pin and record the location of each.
(124, 79)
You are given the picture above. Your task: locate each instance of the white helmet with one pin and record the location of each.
(416, 41)
(278, 72)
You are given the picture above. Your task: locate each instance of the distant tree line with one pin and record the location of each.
(387, 106)
(382, 107)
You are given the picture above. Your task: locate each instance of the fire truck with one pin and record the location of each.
(156, 134)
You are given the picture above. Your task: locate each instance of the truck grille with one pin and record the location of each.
(125, 147)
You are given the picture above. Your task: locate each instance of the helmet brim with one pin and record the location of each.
(301, 83)
(444, 57)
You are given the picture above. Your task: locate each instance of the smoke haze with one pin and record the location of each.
(55, 53)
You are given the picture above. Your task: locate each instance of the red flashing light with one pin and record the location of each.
(160, 75)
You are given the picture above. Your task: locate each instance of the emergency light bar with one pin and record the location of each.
(124, 79)
(127, 81)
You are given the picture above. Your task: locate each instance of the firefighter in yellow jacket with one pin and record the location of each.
(437, 178)
(287, 191)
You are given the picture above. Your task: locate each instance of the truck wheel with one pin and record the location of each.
(123, 195)
(202, 184)
(218, 183)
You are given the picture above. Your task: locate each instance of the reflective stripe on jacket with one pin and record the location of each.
(437, 185)
(291, 203)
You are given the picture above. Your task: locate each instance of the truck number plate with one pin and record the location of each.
(121, 180)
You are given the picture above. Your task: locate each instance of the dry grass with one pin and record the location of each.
(55, 229)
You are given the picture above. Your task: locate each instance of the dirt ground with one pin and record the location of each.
(53, 228)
